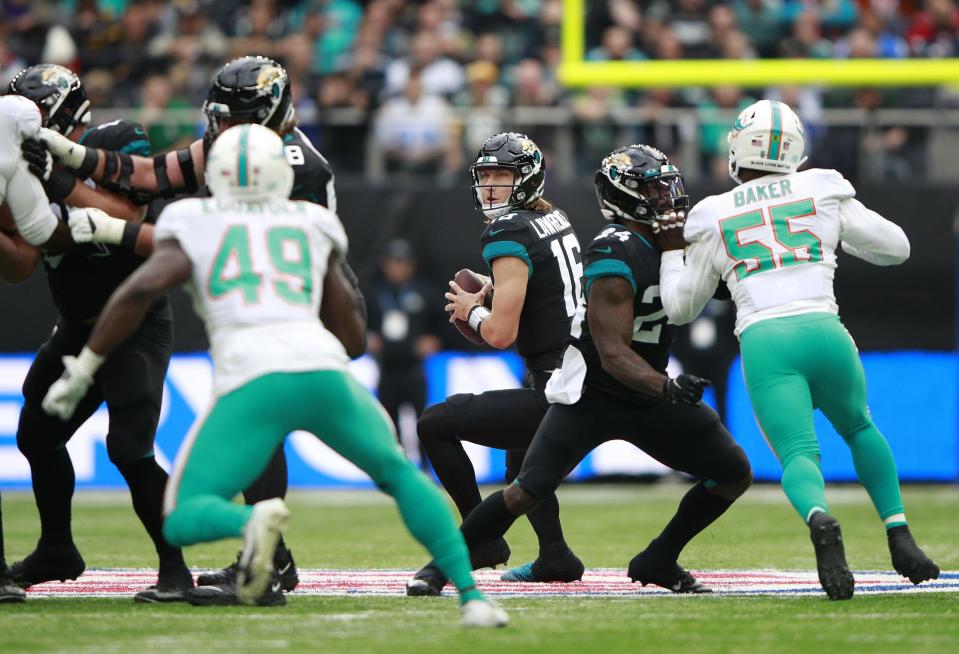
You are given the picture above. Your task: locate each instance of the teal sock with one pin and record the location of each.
(876, 469)
(804, 486)
(430, 521)
(205, 518)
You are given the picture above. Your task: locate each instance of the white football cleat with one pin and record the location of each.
(261, 535)
(484, 613)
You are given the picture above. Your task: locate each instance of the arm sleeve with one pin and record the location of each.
(29, 205)
(867, 235)
(686, 286)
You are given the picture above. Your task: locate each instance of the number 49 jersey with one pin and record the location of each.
(545, 241)
(774, 240)
(257, 283)
(615, 252)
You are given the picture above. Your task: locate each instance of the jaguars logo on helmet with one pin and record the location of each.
(516, 152)
(59, 94)
(250, 90)
(638, 182)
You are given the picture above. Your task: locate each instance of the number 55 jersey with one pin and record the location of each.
(257, 283)
(774, 240)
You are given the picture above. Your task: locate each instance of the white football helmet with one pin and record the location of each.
(768, 136)
(248, 163)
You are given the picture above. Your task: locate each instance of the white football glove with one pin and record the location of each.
(91, 225)
(64, 150)
(66, 393)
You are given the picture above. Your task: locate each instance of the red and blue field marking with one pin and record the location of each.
(599, 582)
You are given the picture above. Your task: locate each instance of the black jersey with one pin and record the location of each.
(82, 279)
(312, 174)
(548, 245)
(618, 252)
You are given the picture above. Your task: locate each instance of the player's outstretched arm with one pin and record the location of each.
(112, 203)
(167, 175)
(870, 237)
(123, 314)
(339, 311)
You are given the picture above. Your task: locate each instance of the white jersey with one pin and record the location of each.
(257, 283)
(22, 192)
(773, 240)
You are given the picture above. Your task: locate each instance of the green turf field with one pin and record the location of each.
(606, 525)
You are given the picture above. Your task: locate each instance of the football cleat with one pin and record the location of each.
(282, 561)
(225, 595)
(428, 582)
(10, 593)
(48, 563)
(647, 568)
(484, 613)
(907, 558)
(834, 574)
(564, 569)
(171, 586)
(261, 535)
(490, 555)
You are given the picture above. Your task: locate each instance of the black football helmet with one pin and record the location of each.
(249, 90)
(516, 152)
(59, 94)
(639, 183)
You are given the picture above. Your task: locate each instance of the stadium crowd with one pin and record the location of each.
(427, 81)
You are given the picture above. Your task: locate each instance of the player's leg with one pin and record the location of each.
(225, 453)
(839, 390)
(131, 381)
(693, 440)
(347, 418)
(42, 439)
(9, 591)
(506, 420)
(777, 355)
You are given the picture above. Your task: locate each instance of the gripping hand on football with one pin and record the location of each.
(461, 302)
(66, 393)
(685, 389)
(668, 231)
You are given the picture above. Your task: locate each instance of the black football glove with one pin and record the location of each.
(685, 389)
(56, 181)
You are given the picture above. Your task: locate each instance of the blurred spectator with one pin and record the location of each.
(807, 41)
(858, 44)
(595, 125)
(934, 32)
(689, 22)
(716, 113)
(889, 44)
(333, 25)
(166, 133)
(440, 75)
(835, 16)
(10, 62)
(482, 104)
(761, 22)
(654, 130)
(736, 46)
(258, 30)
(194, 42)
(530, 88)
(416, 132)
(405, 313)
(617, 46)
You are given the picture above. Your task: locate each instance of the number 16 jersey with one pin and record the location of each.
(257, 283)
(774, 240)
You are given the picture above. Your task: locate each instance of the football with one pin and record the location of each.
(471, 282)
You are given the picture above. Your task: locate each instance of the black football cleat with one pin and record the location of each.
(225, 595)
(490, 555)
(907, 558)
(834, 574)
(48, 563)
(563, 569)
(282, 560)
(10, 593)
(171, 586)
(428, 582)
(648, 568)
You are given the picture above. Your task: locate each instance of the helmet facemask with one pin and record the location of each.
(516, 153)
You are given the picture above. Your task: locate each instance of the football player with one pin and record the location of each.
(534, 260)
(278, 366)
(245, 90)
(612, 381)
(773, 240)
(81, 280)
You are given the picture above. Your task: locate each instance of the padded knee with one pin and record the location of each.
(38, 434)
(131, 436)
(435, 423)
(538, 481)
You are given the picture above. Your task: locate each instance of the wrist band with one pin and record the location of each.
(91, 158)
(130, 233)
(477, 315)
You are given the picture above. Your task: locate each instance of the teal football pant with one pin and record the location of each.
(241, 432)
(794, 365)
